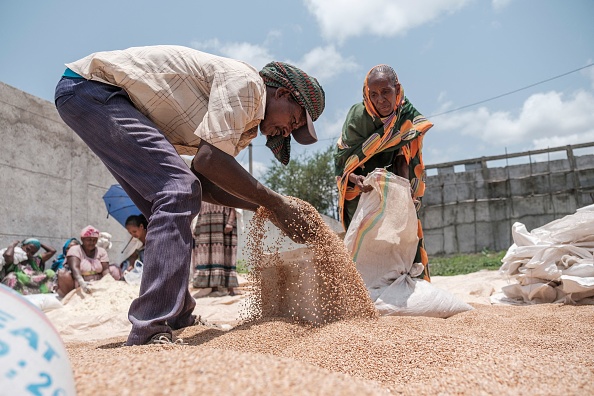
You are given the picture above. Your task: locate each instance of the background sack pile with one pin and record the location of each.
(382, 239)
(553, 263)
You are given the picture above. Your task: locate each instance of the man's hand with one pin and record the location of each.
(291, 220)
(228, 229)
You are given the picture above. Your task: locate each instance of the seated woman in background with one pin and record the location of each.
(60, 261)
(23, 269)
(382, 131)
(86, 263)
(136, 226)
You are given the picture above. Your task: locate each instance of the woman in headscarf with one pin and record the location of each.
(23, 268)
(59, 262)
(136, 225)
(86, 262)
(384, 131)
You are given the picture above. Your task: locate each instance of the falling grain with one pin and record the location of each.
(323, 288)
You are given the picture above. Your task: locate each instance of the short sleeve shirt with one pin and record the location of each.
(89, 265)
(190, 95)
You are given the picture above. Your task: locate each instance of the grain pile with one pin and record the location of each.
(333, 287)
(492, 350)
(504, 350)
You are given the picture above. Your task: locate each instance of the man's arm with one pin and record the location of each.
(225, 182)
(216, 195)
(221, 173)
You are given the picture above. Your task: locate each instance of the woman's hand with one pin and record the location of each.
(358, 180)
(85, 287)
(228, 229)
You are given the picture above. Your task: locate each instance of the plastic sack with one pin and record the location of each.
(134, 276)
(552, 263)
(382, 239)
(19, 256)
(104, 240)
(33, 358)
(46, 301)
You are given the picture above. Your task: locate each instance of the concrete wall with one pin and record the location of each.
(474, 209)
(52, 185)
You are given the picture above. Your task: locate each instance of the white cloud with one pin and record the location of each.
(253, 54)
(273, 36)
(545, 120)
(325, 63)
(321, 62)
(340, 19)
(500, 4)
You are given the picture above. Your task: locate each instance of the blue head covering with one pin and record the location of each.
(32, 241)
(59, 261)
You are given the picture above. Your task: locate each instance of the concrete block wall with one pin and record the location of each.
(52, 184)
(466, 212)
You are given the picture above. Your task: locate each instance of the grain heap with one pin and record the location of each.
(330, 286)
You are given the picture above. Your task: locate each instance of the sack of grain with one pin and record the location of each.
(382, 239)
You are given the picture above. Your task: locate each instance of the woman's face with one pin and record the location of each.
(72, 243)
(30, 249)
(89, 243)
(138, 232)
(382, 92)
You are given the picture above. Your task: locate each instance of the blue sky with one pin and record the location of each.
(447, 53)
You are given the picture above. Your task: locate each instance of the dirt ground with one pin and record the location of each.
(505, 350)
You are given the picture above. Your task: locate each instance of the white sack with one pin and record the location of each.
(553, 263)
(19, 256)
(134, 276)
(382, 239)
(46, 301)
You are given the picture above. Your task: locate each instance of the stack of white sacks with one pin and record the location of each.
(553, 263)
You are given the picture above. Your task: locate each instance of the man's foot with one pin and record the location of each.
(164, 339)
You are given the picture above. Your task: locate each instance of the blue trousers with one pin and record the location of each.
(158, 181)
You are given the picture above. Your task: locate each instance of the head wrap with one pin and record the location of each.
(367, 100)
(306, 91)
(59, 261)
(89, 232)
(32, 241)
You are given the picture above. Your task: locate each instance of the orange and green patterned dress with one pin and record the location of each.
(369, 142)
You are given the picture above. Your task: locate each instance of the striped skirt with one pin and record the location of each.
(215, 252)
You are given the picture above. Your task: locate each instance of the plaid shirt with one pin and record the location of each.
(190, 95)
